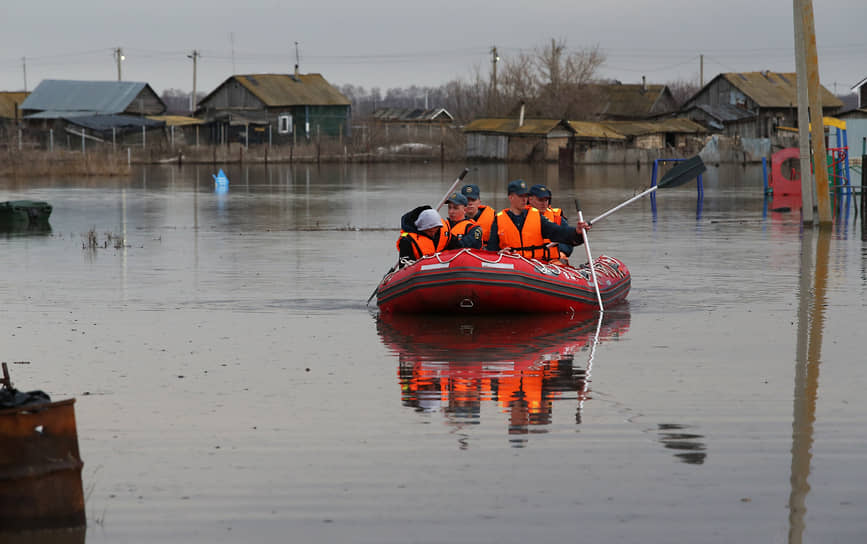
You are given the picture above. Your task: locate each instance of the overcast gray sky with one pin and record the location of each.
(389, 43)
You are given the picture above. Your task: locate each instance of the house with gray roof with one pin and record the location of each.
(752, 104)
(280, 108)
(60, 112)
(56, 99)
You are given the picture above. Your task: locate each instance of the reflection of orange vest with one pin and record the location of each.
(524, 385)
(422, 245)
(485, 220)
(528, 242)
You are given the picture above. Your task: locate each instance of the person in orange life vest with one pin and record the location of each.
(523, 229)
(466, 230)
(540, 198)
(482, 215)
(424, 232)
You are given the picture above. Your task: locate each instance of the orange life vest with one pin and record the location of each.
(422, 245)
(554, 215)
(528, 242)
(485, 219)
(461, 228)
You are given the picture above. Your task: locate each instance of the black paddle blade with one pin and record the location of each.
(684, 171)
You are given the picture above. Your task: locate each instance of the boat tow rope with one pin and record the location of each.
(596, 264)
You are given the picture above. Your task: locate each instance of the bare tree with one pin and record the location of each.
(564, 80)
(682, 90)
(518, 83)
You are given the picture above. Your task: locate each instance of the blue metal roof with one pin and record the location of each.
(95, 97)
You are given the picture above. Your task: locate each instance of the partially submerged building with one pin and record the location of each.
(275, 108)
(409, 123)
(517, 139)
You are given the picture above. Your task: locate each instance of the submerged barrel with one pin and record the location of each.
(40, 468)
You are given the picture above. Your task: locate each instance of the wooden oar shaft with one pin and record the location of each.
(630, 201)
(452, 189)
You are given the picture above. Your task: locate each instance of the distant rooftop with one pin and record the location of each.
(93, 97)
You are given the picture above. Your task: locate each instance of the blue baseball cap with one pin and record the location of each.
(518, 187)
(458, 199)
(540, 191)
(471, 191)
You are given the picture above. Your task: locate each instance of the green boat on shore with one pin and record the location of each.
(24, 213)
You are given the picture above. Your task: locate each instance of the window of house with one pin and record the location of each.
(284, 124)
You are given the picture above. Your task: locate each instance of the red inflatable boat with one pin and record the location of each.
(477, 281)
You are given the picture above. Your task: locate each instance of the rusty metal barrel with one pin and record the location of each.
(40, 468)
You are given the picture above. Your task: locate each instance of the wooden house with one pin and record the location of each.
(517, 139)
(618, 142)
(276, 108)
(409, 123)
(61, 112)
(55, 99)
(769, 98)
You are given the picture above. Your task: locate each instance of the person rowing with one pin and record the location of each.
(540, 198)
(522, 229)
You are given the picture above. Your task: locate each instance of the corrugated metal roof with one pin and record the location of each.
(630, 100)
(176, 120)
(95, 97)
(774, 89)
(412, 115)
(594, 131)
(8, 101)
(510, 126)
(276, 90)
(640, 128)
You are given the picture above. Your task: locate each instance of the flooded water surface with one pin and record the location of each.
(231, 385)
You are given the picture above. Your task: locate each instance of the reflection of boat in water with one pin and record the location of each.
(454, 364)
(476, 281)
(40, 468)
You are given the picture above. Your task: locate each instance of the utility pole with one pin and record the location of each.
(701, 70)
(118, 55)
(817, 126)
(195, 55)
(24, 68)
(807, 184)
